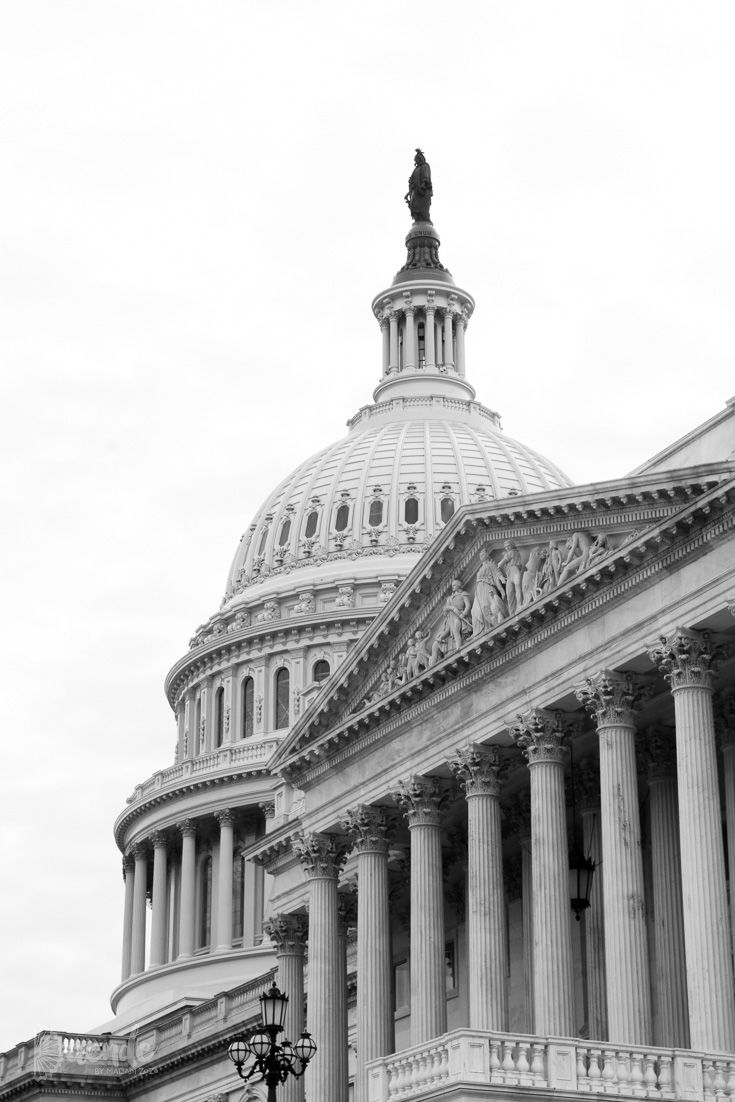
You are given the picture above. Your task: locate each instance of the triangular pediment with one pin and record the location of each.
(500, 570)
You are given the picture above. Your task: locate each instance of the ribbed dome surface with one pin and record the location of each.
(390, 485)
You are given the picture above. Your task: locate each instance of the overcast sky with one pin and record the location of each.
(198, 202)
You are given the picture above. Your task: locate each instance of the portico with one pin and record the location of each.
(437, 766)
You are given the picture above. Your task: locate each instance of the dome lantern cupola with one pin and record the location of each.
(423, 315)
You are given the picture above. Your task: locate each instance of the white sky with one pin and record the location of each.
(197, 203)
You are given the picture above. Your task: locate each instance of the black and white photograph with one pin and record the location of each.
(368, 557)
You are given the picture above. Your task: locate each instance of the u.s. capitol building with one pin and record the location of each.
(455, 763)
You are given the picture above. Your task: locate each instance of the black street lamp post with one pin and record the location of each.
(273, 1061)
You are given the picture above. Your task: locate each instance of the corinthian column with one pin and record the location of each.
(128, 877)
(320, 859)
(367, 827)
(672, 1017)
(187, 896)
(553, 1000)
(420, 799)
(478, 770)
(725, 721)
(610, 697)
(685, 658)
(140, 885)
(593, 918)
(224, 880)
(158, 902)
(288, 934)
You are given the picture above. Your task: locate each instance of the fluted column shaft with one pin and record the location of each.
(725, 718)
(672, 1016)
(158, 903)
(129, 875)
(320, 860)
(187, 895)
(459, 329)
(430, 333)
(385, 333)
(420, 799)
(448, 349)
(140, 878)
(594, 929)
(393, 321)
(527, 918)
(553, 992)
(224, 880)
(288, 934)
(478, 771)
(685, 657)
(374, 1004)
(610, 697)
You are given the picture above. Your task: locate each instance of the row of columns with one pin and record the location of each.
(135, 871)
(444, 339)
(692, 931)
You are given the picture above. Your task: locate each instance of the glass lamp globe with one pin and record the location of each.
(260, 1043)
(287, 1053)
(239, 1051)
(305, 1047)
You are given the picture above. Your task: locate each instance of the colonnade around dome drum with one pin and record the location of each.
(189, 892)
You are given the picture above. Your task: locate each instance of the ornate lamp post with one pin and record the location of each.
(275, 1062)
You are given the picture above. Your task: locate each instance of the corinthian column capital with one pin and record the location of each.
(320, 855)
(287, 932)
(368, 828)
(685, 658)
(539, 735)
(421, 799)
(477, 768)
(610, 697)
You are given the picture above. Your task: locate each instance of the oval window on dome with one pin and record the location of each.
(411, 510)
(321, 670)
(311, 522)
(375, 517)
(342, 519)
(447, 509)
(285, 532)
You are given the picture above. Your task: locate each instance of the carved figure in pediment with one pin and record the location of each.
(511, 569)
(457, 609)
(531, 580)
(551, 568)
(582, 551)
(401, 675)
(418, 656)
(488, 607)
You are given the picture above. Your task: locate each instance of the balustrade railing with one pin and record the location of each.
(255, 754)
(503, 1060)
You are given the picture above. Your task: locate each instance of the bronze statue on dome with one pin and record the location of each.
(420, 191)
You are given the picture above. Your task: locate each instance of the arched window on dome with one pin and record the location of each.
(283, 692)
(204, 931)
(411, 510)
(321, 671)
(421, 341)
(375, 516)
(219, 716)
(285, 532)
(263, 541)
(312, 522)
(447, 509)
(247, 702)
(342, 518)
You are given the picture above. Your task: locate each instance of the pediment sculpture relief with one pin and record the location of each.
(508, 579)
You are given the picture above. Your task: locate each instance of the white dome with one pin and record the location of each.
(386, 489)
